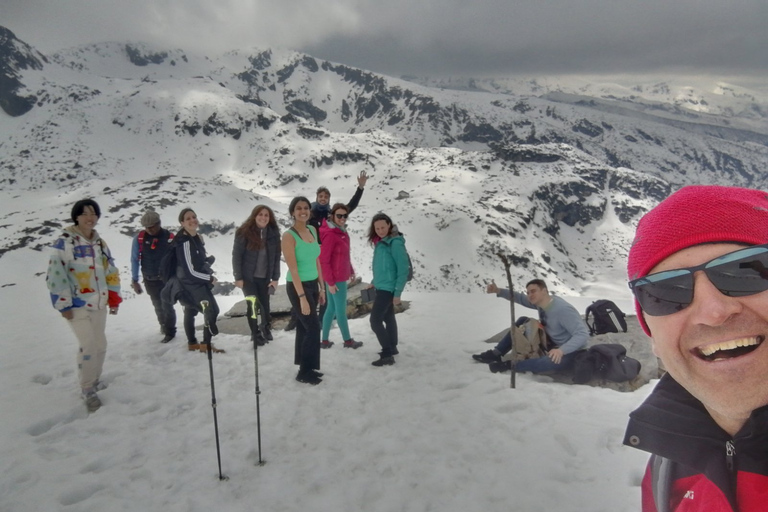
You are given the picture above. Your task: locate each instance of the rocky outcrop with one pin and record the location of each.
(15, 56)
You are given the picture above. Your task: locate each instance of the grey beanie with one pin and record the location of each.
(150, 218)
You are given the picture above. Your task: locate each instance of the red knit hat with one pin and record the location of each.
(697, 215)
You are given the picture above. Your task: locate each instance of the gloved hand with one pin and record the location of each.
(137, 287)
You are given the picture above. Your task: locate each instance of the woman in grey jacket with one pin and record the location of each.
(256, 265)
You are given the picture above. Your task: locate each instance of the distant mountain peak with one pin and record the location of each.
(16, 56)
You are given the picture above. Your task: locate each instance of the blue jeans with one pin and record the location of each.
(545, 364)
(539, 364)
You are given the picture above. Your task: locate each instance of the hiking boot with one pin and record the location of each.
(384, 361)
(193, 346)
(351, 343)
(92, 401)
(267, 333)
(309, 378)
(258, 339)
(99, 386)
(326, 344)
(203, 347)
(291, 324)
(489, 356)
(316, 373)
(500, 366)
(167, 338)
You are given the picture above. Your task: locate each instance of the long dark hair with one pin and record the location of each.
(372, 236)
(251, 232)
(296, 200)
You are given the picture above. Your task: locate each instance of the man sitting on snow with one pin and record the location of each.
(563, 324)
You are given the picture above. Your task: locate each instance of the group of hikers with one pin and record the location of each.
(175, 267)
(698, 271)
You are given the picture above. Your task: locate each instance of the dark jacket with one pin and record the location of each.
(149, 254)
(192, 266)
(244, 261)
(708, 469)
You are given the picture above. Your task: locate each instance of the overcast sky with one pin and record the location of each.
(428, 37)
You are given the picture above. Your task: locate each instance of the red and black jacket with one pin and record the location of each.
(696, 465)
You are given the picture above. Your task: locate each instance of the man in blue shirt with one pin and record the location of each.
(566, 331)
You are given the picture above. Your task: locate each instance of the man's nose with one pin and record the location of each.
(710, 306)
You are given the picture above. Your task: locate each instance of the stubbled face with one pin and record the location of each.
(301, 211)
(536, 294)
(262, 218)
(340, 221)
(88, 219)
(715, 347)
(153, 230)
(382, 228)
(190, 223)
(323, 198)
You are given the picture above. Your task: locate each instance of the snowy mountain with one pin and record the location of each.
(556, 174)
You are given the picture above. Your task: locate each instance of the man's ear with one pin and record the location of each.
(653, 347)
(653, 340)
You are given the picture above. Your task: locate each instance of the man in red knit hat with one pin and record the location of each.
(698, 269)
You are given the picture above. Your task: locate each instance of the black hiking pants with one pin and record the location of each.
(166, 317)
(307, 344)
(383, 322)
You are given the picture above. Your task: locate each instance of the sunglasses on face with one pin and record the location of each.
(341, 215)
(737, 274)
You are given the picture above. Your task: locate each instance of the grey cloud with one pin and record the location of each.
(428, 36)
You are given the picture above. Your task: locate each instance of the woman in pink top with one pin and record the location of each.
(337, 268)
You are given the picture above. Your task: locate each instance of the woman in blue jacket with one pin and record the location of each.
(390, 273)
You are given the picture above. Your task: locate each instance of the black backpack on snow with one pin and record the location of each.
(607, 361)
(606, 317)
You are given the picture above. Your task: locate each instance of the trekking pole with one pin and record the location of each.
(512, 361)
(207, 341)
(253, 303)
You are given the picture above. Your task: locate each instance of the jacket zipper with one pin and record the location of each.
(730, 453)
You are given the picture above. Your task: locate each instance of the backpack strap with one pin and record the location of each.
(141, 242)
(661, 481)
(586, 319)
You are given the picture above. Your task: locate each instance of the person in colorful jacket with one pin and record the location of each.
(256, 266)
(84, 284)
(337, 269)
(305, 288)
(390, 273)
(147, 251)
(698, 269)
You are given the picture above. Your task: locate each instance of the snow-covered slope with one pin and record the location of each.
(555, 180)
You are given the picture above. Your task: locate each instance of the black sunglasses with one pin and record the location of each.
(341, 215)
(736, 274)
